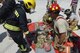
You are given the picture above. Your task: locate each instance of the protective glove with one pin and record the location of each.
(27, 33)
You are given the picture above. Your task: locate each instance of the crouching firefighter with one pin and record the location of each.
(16, 24)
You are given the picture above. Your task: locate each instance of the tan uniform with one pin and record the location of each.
(60, 26)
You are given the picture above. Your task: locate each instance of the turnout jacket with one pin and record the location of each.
(17, 18)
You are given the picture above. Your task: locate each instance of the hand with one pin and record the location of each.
(25, 34)
(28, 34)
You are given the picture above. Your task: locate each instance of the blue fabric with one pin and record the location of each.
(41, 50)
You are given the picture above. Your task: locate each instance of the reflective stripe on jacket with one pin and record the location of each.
(17, 20)
(11, 27)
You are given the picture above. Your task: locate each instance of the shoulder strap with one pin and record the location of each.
(60, 17)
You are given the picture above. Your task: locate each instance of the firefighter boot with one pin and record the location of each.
(23, 49)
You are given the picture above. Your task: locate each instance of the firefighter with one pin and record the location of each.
(60, 26)
(16, 23)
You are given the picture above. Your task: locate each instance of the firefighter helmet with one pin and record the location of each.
(55, 8)
(29, 4)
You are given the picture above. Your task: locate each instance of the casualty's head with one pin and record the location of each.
(28, 5)
(54, 10)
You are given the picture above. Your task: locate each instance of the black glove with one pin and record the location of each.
(30, 36)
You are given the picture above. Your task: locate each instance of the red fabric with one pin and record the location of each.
(31, 27)
(69, 44)
(56, 51)
(52, 43)
(33, 46)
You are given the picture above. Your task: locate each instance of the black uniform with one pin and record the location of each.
(6, 9)
(19, 21)
(16, 17)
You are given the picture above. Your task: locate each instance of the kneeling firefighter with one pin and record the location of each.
(16, 24)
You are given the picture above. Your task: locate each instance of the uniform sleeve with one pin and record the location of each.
(61, 25)
(22, 20)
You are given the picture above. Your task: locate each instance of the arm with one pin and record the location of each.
(22, 20)
(63, 27)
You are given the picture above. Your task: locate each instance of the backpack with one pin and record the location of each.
(6, 9)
